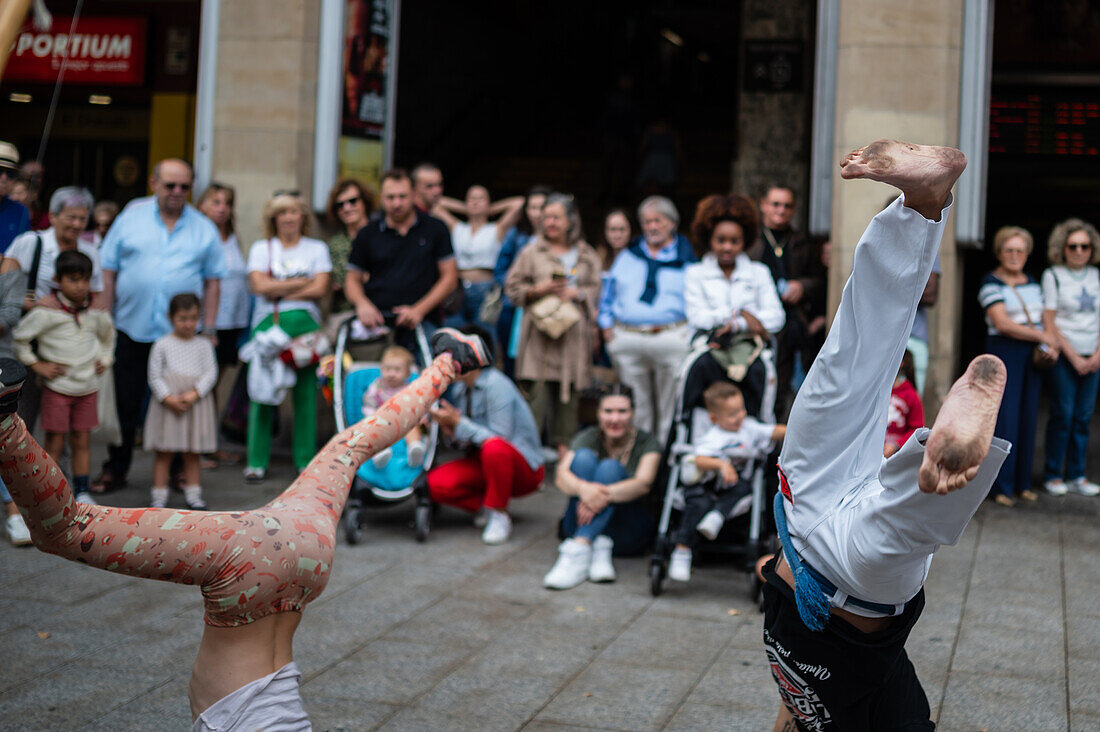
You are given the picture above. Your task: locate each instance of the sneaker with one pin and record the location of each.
(12, 376)
(382, 459)
(601, 569)
(192, 494)
(416, 453)
(679, 567)
(1083, 487)
(468, 350)
(18, 534)
(498, 528)
(254, 475)
(159, 497)
(574, 558)
(85, 497)
(710, 525)
(1055, 487)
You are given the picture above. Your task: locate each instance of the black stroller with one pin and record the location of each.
(744, 537)
(398, 481)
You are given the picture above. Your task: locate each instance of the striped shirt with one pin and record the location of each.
(1028, 295)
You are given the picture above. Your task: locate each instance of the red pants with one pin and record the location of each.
(491, 478)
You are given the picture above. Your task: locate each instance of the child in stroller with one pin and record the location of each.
(396, 367)
(721, 486)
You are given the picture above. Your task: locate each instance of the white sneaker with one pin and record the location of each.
(1055, 487)
(1083, 487)
(159, 498)
(382, 459)
(574, 558)
(85, 497)
(601, 569)
(710, 525)
(498, 528)
(416, 453)
(18, 534)
(679, 567)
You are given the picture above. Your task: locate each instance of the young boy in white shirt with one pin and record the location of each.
(728, 448)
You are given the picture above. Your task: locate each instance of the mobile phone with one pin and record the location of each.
(558, 276)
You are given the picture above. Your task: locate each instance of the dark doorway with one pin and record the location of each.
(512, 94)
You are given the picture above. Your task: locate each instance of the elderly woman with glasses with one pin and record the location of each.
(290, 274)
(642, 313)
(1071, 313)
(1013, 305)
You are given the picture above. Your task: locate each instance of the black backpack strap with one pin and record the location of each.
(32, 276)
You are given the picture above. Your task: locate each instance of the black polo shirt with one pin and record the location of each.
(402, 269)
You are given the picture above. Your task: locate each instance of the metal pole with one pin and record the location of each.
(389, 133)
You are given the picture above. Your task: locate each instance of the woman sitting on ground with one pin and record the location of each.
(607, 474)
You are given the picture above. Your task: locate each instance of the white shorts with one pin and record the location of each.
(272, 704)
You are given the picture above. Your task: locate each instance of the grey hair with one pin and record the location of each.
(575, 233)
(1056, 244)
(71, 197)
(661, 205)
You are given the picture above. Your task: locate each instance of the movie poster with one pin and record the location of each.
(367, 68)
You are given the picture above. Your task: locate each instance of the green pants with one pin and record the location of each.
(304, 394)
(544, 398)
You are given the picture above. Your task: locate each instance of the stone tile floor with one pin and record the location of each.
(453, 634)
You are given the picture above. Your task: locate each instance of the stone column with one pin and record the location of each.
(898, 77)
(263, 108)
(773, 126)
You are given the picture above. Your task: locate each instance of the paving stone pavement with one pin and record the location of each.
(453, 634)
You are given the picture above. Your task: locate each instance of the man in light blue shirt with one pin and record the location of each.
(157, 248)
(642, 314)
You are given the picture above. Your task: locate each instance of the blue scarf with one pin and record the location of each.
(684, 256)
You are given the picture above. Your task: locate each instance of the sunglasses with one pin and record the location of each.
(178, 186)
(348, 202)
(1079, 247)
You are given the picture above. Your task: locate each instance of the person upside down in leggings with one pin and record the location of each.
(858, 531)
(256, 569)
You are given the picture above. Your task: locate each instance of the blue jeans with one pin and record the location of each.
(1072, 400)
(1017, 418)
(5, 497)
(628, 525)
(471, 307)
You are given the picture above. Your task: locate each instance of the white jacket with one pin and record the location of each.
(268, 377)
(712, 300)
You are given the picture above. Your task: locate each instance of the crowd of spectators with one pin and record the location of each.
(518, 271)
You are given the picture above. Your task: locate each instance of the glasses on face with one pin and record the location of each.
(1079, 247)
(178, 186)
(348, 202)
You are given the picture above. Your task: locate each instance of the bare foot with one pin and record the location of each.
(924, 173)
(963, 431)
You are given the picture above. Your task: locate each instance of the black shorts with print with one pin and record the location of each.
(841, 679)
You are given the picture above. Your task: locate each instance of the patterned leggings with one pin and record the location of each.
(248, 564)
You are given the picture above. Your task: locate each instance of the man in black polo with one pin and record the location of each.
(401, 262)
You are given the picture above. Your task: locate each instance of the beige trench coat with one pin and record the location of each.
(567, 359)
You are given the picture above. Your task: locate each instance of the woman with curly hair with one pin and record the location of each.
(1071, 312)
(349, 207)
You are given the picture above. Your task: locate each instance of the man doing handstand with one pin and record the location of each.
(858, 531)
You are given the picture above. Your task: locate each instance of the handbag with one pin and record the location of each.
(554, 316)
(1041, 355)
(491, 304)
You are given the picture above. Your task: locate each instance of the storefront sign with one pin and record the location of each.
(367, 75)
(101, 51)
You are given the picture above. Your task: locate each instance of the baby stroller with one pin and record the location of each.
(745, 537)
(373, 487)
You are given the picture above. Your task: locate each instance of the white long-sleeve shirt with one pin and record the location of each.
(78, 346)
(712, 300)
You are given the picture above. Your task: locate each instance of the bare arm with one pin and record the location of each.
(314, 288)
(211, 293)
(263, 284)
(447, 282)
(998, 315)
(509, 210)
(446, 210)
(107, 297)
(931, 290)
(637, 486)
(365, 310)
